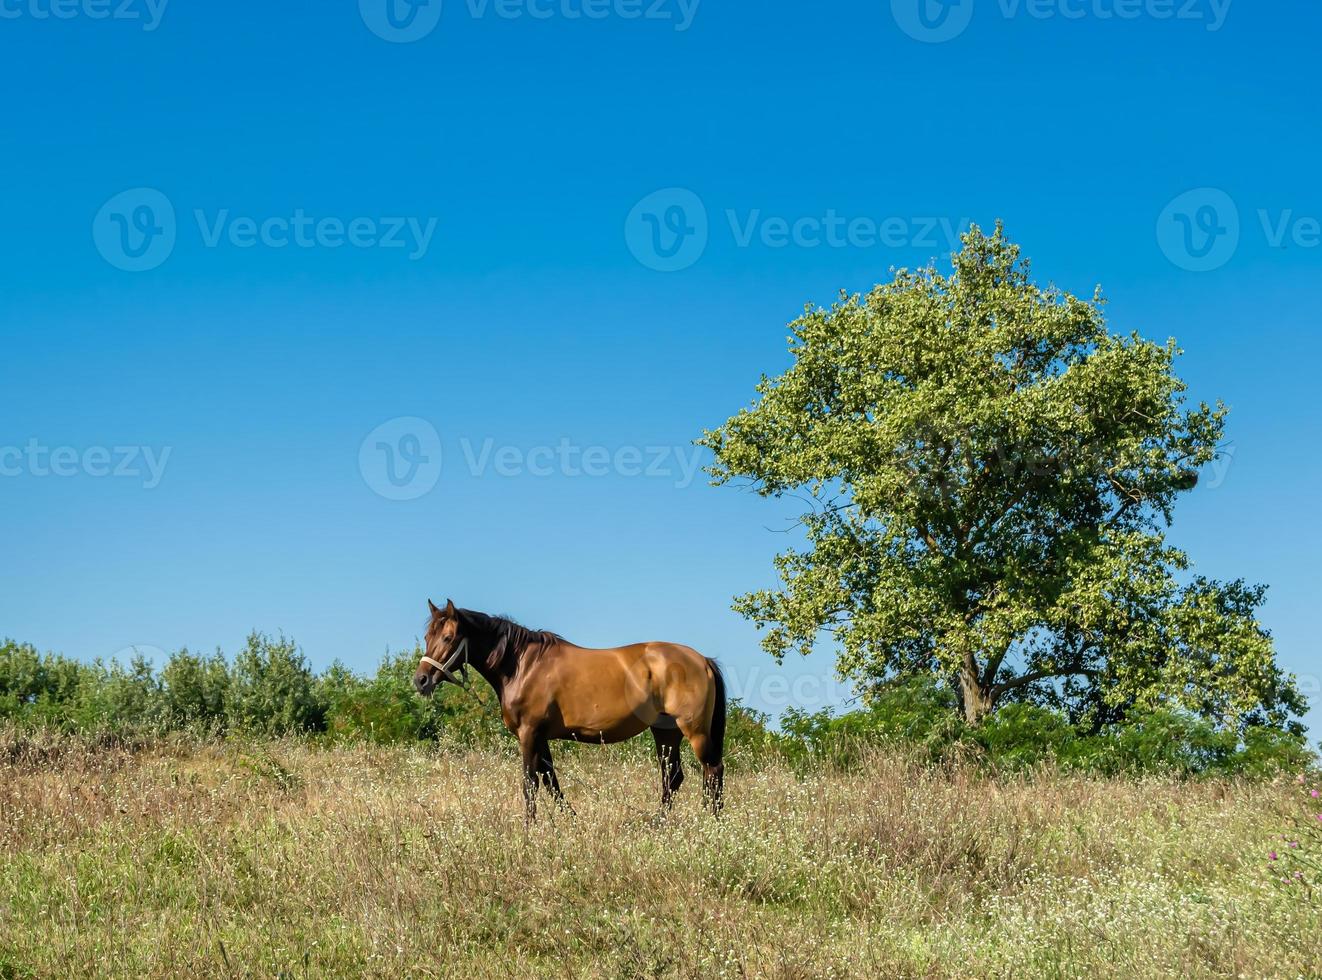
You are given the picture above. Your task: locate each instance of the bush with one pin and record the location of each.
(39, 689)
(195, 690)
(748, 734)
(272, 691)
(1019, 736)
(1268, 752)
(119, 699)
(921, 714)
(915, 712)
(383, 708)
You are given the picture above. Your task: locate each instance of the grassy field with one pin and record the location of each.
(230, 859)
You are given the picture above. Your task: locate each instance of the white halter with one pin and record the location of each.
(457, 659)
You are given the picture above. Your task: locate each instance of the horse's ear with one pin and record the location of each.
(434, 611)
(450, 610)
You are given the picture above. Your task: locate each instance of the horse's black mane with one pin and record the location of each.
(510, 640)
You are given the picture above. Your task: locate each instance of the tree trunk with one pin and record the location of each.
(977, 698)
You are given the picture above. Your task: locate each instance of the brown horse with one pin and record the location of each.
(551, 689)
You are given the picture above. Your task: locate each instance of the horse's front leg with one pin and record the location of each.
(550, 781)
(530, 750)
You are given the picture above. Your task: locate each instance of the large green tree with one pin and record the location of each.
(991, 472)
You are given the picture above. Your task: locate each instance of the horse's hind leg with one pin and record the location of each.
(713, 785)
(713, 771)
(667, 757)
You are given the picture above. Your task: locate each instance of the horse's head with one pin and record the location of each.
(446, 650)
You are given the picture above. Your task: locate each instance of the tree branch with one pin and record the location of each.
(1023, 680)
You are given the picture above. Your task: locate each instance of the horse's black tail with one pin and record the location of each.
(716, 737)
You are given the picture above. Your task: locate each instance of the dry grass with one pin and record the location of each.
(225, 859)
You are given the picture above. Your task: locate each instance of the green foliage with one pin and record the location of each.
(116, 698)
(196, 690)
(992, 471)
(360, 708)
(271, 690)
(749, 738)
(917, 714)
(1295, 861)
(384, 708)
(36, 688)
(1023, 735)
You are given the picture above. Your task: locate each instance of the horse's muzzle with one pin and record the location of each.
(424, 684)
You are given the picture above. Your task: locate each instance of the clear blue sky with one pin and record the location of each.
(535, 311)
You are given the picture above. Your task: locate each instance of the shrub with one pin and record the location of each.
(195, 690)
(917, 712)
(39, 689)
(1269, 752)
(1019, 736)
(748, 733)
(1162, 740)
(382, 708)
(115, 698)
(272, 690)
